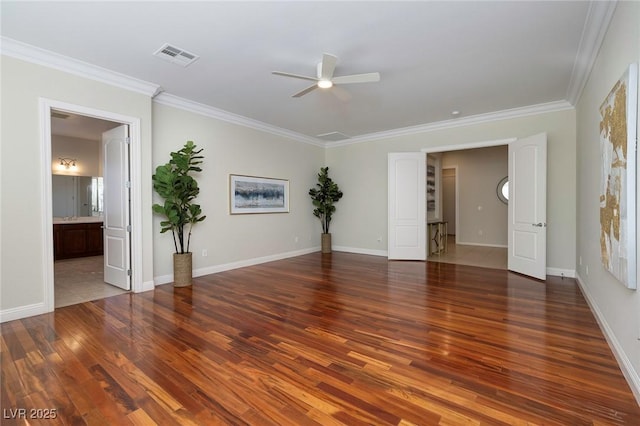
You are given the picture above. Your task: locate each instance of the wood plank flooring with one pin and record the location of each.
(321, 339)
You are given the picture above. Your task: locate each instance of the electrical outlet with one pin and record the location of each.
(580, 260)
(205, 253)
(379, 239)
(295, 240)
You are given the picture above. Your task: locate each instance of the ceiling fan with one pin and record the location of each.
(325, 78)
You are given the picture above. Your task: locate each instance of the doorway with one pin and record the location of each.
(78, 208)
(477, 223)
(51, 111)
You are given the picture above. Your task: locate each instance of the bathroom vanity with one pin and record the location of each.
(77, 237)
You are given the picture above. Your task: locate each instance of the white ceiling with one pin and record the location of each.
(434, 57)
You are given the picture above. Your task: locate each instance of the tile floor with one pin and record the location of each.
(81, 280)
(488, 257)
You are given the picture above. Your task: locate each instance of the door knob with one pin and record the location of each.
(540, 225)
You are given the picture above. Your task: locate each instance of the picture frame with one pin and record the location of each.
(254, 194)
(618, 133)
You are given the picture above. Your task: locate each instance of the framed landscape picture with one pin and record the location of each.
(618, 132)
(251, 194)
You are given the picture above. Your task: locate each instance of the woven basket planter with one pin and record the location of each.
(182, 271)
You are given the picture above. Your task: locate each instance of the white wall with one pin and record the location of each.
(232, 240)
(482, 216)
(23, 267)
(617, 307)
(87, 152)
(361, 171)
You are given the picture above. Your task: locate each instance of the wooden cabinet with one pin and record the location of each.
(77, 240)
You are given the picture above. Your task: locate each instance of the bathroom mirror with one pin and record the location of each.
(503, 190)
(77, 196)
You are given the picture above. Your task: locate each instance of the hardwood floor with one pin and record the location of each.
(322, 339)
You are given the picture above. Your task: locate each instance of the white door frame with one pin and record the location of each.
(460, 147)
(45, 107)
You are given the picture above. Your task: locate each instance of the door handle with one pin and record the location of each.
(540, 225)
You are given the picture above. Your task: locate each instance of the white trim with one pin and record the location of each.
(26, 52)
(629, 373)
(147, 286)
(470, 145)
(458, 122)
(595, 28)
(208, 111)
(45, 107)
(36, 55)
(23, 312)
(482, 245)
(356, 250)
(166, 279)
(559, 272)
(47, 200)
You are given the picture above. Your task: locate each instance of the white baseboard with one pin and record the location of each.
(461, 243)
(626, 367)
(383, 253)
(22, 312)
(559, 272)
(165, 279)
(146, 286)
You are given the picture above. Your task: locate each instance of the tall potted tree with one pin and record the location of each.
(174, 183)
(323, 198)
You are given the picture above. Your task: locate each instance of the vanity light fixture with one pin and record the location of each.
(67, 163)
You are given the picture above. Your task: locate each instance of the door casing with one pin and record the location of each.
(45, 107)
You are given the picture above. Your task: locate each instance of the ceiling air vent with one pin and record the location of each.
(333, 136)
(176, 55)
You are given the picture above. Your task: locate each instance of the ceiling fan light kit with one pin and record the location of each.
(325, 78)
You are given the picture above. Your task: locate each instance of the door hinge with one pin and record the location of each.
(128, 228)
(128, 272)
(127, 184)
(127, 140)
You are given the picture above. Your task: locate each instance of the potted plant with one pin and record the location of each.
(174, 183)
(324, 197)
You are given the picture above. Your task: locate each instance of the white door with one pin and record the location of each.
(117, 257)
(407, 206)
(528, 206)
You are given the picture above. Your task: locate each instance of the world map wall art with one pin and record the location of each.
(618, 132)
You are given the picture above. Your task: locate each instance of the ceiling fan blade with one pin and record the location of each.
(287, 74)
(357, 78)
(341, 93)
(305, 91)
(327, 67)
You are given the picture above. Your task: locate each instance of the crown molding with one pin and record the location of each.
(36, 55)
(596, 24)
(599, 15)
(457, 122)
(208, 111)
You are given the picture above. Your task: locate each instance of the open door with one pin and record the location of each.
(117, 258)
(407, 205)
(528, 206)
